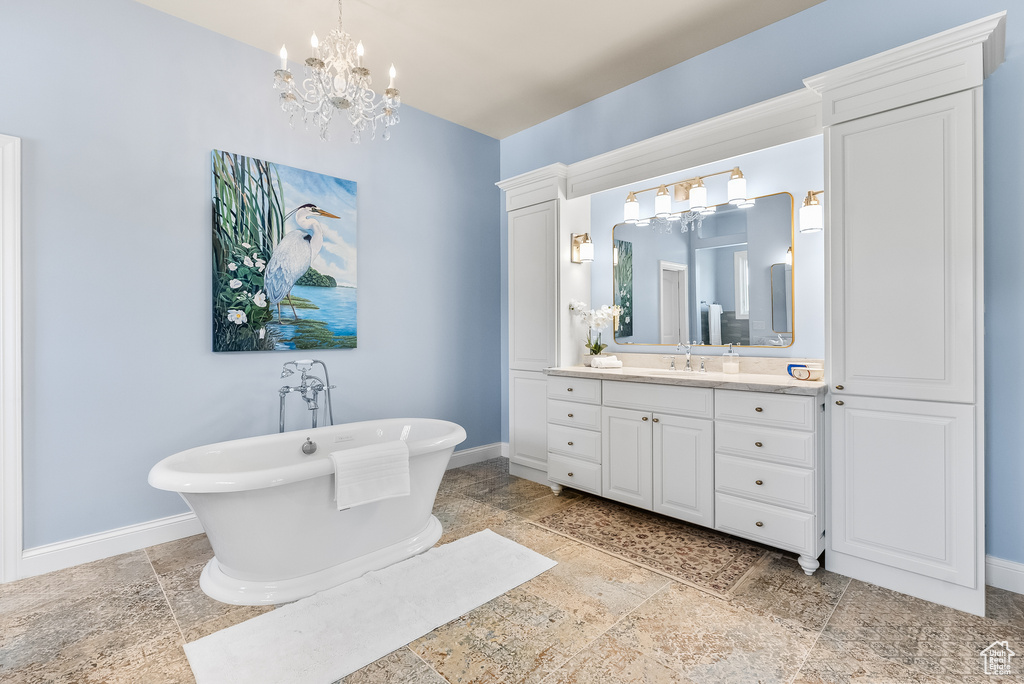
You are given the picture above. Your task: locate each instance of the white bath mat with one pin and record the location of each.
(324, 637)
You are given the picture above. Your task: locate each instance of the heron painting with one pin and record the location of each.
(284, 257)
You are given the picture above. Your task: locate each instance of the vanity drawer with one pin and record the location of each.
(762, 408)
(765, 482)
(788, 447)
(574, 473)
(584, 444)
(696, 402)
(778, 526)
(577, 415)
(584, 390)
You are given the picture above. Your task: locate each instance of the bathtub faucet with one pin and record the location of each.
(310, 386)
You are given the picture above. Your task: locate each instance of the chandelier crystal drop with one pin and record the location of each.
(337, 84)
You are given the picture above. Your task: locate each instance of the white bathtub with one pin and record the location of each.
(269, 511)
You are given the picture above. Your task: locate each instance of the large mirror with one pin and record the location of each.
(710, 279)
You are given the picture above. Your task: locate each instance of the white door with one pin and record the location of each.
(902, 251)
(904, 496)
(527, 428)
(674, 297)
(684, 468)
(533, 287)
(626, 442)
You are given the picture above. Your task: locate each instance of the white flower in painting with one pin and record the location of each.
(261, 264)
(237, 317)
(235, 283)
(246, 245)
(263, 333)
(248, 262)
(232, 266)
(259, 299)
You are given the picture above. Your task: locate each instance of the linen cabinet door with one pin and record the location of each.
(533, 287)
(527, 429)
(904, 489)
(626, 456)
(902, 252)
(684, 465)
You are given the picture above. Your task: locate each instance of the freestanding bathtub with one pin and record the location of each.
(269, 510)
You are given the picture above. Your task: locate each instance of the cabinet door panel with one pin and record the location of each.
(903, 486)
(684, 463)
(533, 287)
(528, 441)
(902, 253)
(626, 456)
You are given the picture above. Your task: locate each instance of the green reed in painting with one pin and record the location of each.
(623, 284)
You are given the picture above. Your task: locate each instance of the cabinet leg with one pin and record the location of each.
(556, 489)
(808, 563)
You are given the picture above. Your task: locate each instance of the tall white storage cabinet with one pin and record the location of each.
(905, 314)
(541, 282)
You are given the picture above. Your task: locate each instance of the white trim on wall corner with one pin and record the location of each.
(1004, 574)
(93, 547)
(477, 454)
(10, 358)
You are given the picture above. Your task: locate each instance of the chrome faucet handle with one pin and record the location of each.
(702, 368)
(672, 359)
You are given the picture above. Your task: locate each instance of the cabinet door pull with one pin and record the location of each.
(570, 415)
(759, 409)
(570, 474)
(655, 420)
(645, 417)
(568, 389)
(570, 443)
(839, 403)
(759, 523)
(758, 482)
(839, 387)
(758, 444)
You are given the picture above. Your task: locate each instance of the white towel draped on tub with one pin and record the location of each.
(715, 324)
(371, 473)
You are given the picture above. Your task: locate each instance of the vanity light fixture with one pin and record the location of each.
(812, 216)
(582, 248)
(691, 190)
(789, 256)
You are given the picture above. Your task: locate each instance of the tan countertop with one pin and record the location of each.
(750, 382)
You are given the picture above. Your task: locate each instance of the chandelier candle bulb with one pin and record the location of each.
(392, 73)
(314, 42)
(359, 54)
(284, 58)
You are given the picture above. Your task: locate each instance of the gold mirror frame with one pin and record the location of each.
(792, 285)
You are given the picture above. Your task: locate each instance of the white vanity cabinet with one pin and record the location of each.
(747, 463)
(769, 479)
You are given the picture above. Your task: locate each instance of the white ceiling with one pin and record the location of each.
(496, 66)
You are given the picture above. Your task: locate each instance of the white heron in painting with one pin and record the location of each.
(294, 254)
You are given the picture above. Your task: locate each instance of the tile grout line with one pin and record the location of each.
(163, 592)
(668, 583)
(431, 667)
(817, 637)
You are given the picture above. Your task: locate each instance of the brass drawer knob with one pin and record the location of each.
(758, 482)
(570, 443)
(570, 474)
(839, 403)
(759, 409)
(758, 444)
(839, 387)
(570, 415)
(645, 417)
(759, 523)
(655, 420)
(569, 389)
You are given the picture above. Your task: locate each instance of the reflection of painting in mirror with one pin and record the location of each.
(622, 263)
(782, 295)
(727, 265)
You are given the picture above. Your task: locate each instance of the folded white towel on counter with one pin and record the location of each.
(370, 473)
(610, 362)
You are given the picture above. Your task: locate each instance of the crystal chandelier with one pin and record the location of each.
(337, 84)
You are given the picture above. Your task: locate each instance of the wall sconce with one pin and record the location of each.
(582, 248)
(812, 216)
(789, 256)
(691, 190)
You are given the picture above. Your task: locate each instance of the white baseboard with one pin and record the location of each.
(92, 547)
(1004, 574)
(477, 454)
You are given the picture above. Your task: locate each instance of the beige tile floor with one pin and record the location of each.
(594, 618)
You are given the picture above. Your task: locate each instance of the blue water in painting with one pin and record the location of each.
(337, 310)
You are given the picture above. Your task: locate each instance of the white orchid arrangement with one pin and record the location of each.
(595, 320)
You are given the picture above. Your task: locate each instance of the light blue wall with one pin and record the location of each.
(774, 61)
(118, 107)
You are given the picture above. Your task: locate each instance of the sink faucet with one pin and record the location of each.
(689, 368)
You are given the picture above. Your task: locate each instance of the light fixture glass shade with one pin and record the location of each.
(707, 211)
(587, 250)
(812, 216)
(747, 203)
(789, 256)
(662, 203)
(631, 210)
(738, 190)
(698, 196)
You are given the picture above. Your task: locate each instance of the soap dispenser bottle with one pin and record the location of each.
(730, 361)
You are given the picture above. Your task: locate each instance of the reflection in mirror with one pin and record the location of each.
(782, 295)
(709, 281)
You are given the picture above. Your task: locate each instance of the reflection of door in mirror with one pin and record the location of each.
(782, 295)
(674, 295)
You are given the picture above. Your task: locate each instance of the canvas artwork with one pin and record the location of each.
(284, 257)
